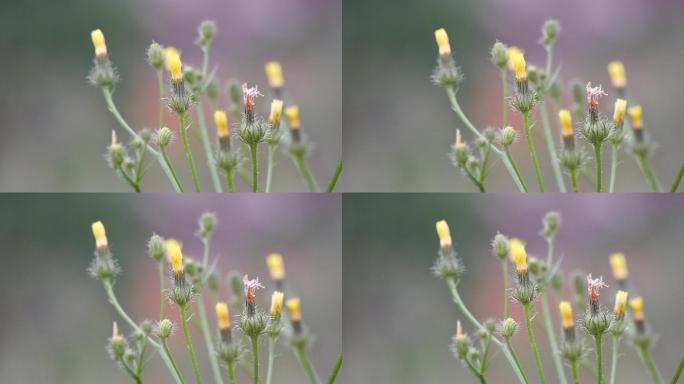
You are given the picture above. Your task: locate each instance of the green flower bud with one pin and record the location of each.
(507, 328)
(507, 136)
(206, 31)
(156, 248)
(206, 224)
(551, 224)
(550, 32)
(499, 55)
(164, 329)
(163, 137)
(500, 247)
(155, 55)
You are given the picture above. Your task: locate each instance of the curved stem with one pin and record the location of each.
(230, 366)
(504, 88)
(645, 356)
(128, 180)
(599, 359)
(208, 340)
(208, 150)
(306, 364)
(648, 173)
(188, 343)
(614, 358)
(167, 161)
(269, 169)
(168, 355)
(160, 80)
(162, 304)
(533, 152)
(515, 359)
(338, 171)
(255, 184)
(300, 161)
(613, 167)
(575, 374)
(678, 179)
(472, 178)
(271, 357)
(597, 153)
(550, 143)
(451, 94)
(130, 371)
(475, 372)
(509, 156)
(504, 270)
(106, 92)
(188, 152)
(255, 359)
(459, 303)
(533, 343)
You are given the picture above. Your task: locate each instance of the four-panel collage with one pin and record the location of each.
(341, 191)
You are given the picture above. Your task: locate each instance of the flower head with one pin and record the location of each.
(637, 305)
(250, 287)
(593, 95)
(294, 306)
(292, 114)
(276, 112)
(618, 264)
(276, 267)
(442, 42)
(635, 113)
(594, 287)
(276, 303)
(221, 120)
(249, 96)
(175, 256)
(512, 53)
(99, 43)
(518, 254)
(566, 314)
(169, 54)
(100, 235)
(566, 122)
(519, 66)
(223, 315)
(616, 70)
(620, 303)
(620, 108)
(175, 67)
(274, 73)
(444, 234)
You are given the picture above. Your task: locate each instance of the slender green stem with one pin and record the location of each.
(451, 94)
(300, 162)
(645, 356)
(107, 93)
(253, 151)
(551, 144)
(504, 88)
(188, 343)
(678, 179)
(162, 301)
(188, 152)
(141, 357)
(139, 168)
(575, 373)
(485, 163)
(208, 340)
(459, 303)
(230, 366)
(614, 358)
(504, 270)
(475, 372)
(255, 359)
(129, 181)
(599, 177)
(678, 372)
(167, 161)
(485, 354)
(509, 156)
(130, 371)
(269, 169)
(338, 171)
(590, 368)
(229, 180)
(160, 80)
(599, 359)
(573, 179)
(555, 353)
(613, 166)
(648, 173)
(472, 178)
(511, 352)
(271, 358)
(338, 365)
(208, 150)
(303, 358)
(533, 343)
(533, 152)
(115, 303)
(169, 356)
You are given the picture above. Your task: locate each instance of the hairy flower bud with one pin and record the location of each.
(499, 55)
(163, 137)
(164, 329)
(500, 246)
(507, 328)
(155, 56)
(156, 248)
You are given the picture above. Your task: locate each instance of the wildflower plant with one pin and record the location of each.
(188, 91)
(537, 283)
(187, 285)
(536, 90)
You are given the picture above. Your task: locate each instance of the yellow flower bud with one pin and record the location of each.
(637, 305)
(99, 43)
(520, 67)
(566, 314)
(223, 315)
(512, 53)
(116, 336)
(175, 68)
(100, 235)
(276, 267)
(635, 113)
(175, 255)
(274, 73)
(565, 122)
(292, 114)
(518, 254)
(293, 305)
(620, 303)
(444, 234)
(620, 108)
(442, 42)
(616, 70)
(459, 140)
(221, 120)
(276, 111)
(169, 53)
(618, 264)
(276, 303)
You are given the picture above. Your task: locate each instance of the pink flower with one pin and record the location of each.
(593, 94)
(594, 286)
(250, 287)
(249, 95)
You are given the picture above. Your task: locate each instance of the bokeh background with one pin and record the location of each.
(55, 126)
(56, 320)
(399, 126)
(399, 319)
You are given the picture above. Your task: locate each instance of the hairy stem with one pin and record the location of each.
(533, 152)
(599, 177)
(533, 343)
(303, 358)
(253, 151)
(169, 356)
(614, 358)
(575, 373)
(188, 152)
(230, 366)
(271, 357)
(255, 359)
(162, 301)
(300, 162)
(229, 180)
(509, 156)
(648, 173)
(208, 340)
(338, 171)
(573, 179)
(269, 168)
(645, 356)
(613, 166)
(504, 88)
(510, 350)
(167, 161)
(504, 270)
(555, 353)
(208, 150)
(160, 80)
(599, 359)
(550, 143)
(188, 343)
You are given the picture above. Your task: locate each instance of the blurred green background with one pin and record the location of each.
(56, 320)
(399, 319)
(399, 126)
(56, 127)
